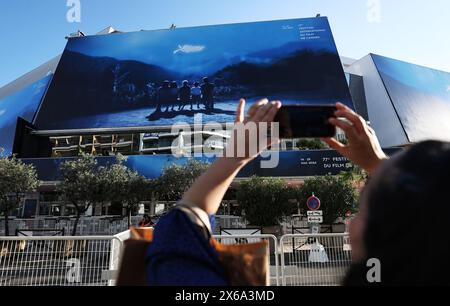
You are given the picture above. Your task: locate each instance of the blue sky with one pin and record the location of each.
(32, 32)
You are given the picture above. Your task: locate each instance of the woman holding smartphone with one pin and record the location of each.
(388, 227)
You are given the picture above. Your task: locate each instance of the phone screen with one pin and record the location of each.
(306, 121)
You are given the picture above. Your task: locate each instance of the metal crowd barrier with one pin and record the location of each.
(87, 226)
(222, 221)
(314, 260)
(273, 250)
(306, 260)
(58, 261)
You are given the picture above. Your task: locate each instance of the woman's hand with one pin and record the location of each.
(363, 146)
(246, 143)
(209, 189)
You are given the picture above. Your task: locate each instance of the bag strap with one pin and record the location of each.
(206, 227)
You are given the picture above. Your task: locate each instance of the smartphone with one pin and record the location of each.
(306, 121)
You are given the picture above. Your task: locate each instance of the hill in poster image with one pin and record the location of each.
(158, 78)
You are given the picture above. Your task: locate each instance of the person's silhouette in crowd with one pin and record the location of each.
(173, 95)
(163, 96)
(390, 241)
(185, 95)
(208, 93)
(196, 93)
(146, 222)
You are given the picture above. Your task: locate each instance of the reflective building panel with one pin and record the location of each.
(420, 96)
(24, 104)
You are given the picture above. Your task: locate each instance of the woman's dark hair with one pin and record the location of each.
(408, 219)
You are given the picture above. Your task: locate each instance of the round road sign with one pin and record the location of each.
(313, 203)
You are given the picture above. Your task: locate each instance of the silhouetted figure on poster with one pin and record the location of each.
(151, 91)
(185, 95)
(208, 93)
(173, 95)
(163, 95)
(196, 93)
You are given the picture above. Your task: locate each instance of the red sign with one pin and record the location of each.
(313, 203)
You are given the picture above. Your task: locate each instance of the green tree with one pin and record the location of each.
(311, 144)
(177, 179)
(336, 193)
(102, 195)
(16, 179)
(126, 187)
(139, 189)
(85, 184)
(80, 184)
(265, 200)
(356, 175)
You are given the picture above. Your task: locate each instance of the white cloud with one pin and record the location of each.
(189, 49)
(2, 111)
(448, 88)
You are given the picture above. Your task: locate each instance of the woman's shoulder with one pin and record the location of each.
(176, 233)
(177, 228)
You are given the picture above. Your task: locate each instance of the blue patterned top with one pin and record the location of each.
(181, 255)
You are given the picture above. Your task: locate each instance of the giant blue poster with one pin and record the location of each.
(158, 78)
(291, 164)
